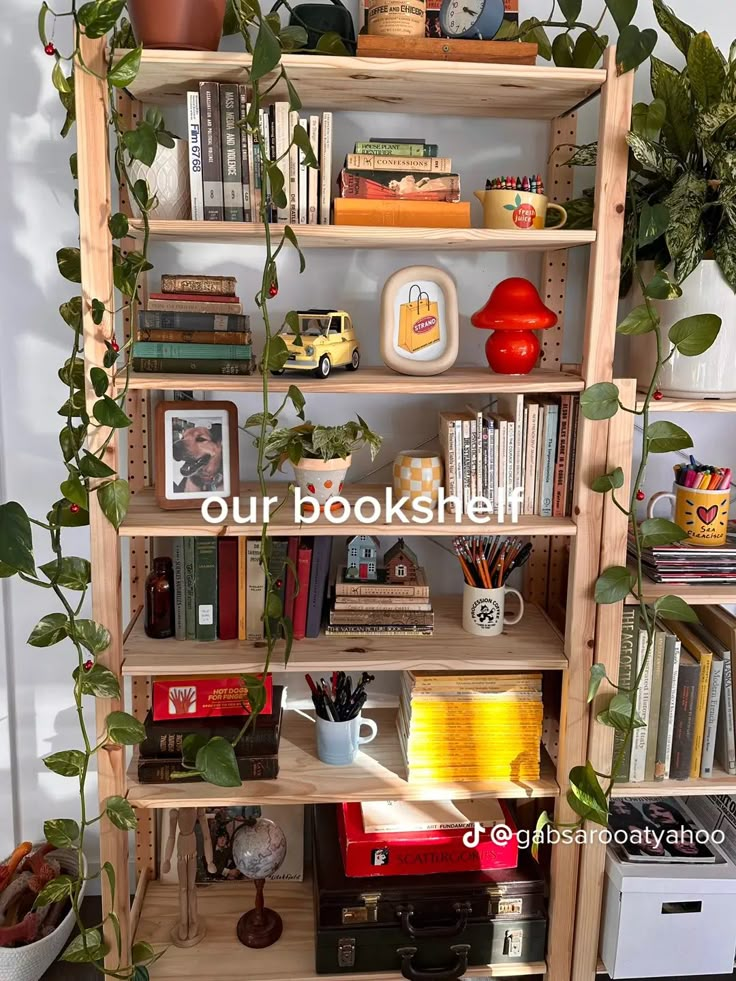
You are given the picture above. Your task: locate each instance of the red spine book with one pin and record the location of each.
(292, 552)
(419, 852)
(227, 589)
(303, 568)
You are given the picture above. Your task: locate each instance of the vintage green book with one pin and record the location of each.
(218, 352)
(190, 631)
(626, 661)
(205, 588)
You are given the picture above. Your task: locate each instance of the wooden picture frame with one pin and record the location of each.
(188, 448)
(420, 332)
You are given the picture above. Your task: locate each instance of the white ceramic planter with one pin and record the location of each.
(168, 179)
(709, 375)
(321, 479)
(31, 962)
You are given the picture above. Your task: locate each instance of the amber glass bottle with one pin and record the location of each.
(160, 600)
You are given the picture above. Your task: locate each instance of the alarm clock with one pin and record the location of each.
(471, 18)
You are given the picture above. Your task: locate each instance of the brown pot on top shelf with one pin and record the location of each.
(184, 25)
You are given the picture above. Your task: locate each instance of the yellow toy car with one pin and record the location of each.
(327, 341)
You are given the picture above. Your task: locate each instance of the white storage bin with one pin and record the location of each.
(665, 920)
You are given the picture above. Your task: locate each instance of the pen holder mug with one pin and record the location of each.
(338, 742)
(702, 514)
(517, 209)
(484, 610)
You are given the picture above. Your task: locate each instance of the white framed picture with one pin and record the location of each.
(419, 321)
(196, 452)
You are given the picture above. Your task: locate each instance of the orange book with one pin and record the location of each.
(403, 214)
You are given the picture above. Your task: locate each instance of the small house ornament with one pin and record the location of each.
(361, 561)
(400, 563)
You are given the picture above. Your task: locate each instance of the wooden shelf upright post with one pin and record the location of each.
(600, 334)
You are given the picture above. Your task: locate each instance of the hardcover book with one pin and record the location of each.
(194, 128)
(155, 770)
(168, 320)
(204, 697)
(401, 214)
(205, 588)
(209, 109)
(193, 366)
(215, 285)
(232, 156)
(227, 588)
(399, 186)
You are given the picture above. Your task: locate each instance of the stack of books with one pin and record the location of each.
(219, 586)
(257, 752)
(685, 698)
(195, 325)
(691, 564)
(470, 726)
(226, 162)
(400, 182)
(520, 443)
(363, 609)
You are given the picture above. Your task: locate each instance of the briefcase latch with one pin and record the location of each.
(368, 913)
(346, 952)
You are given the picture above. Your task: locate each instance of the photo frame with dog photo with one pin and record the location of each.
(196, 453)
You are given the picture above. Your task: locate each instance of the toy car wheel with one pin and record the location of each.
(325, 365)
(354, 361)
(277, 371)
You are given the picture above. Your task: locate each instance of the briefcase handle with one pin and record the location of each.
(406, 913)
(452, 973)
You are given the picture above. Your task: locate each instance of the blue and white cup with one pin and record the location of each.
(338, 742)
(484, 610)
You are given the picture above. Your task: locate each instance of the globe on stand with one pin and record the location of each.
(259, 848)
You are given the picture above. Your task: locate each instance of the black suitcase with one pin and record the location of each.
(421, 923)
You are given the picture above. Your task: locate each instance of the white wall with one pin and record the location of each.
(36, 217)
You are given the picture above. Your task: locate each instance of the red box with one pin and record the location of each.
(203, 697)
(419, 852)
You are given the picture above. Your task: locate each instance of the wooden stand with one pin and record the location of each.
(259, 927)
(429, 87)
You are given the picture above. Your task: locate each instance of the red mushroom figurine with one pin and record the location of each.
(513, 311)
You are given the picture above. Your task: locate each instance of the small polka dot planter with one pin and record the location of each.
(417, 475)
(321, 480)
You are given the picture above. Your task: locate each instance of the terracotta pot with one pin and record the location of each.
(321, 480)
(185, 25)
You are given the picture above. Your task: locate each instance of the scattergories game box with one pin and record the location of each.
(420, 852)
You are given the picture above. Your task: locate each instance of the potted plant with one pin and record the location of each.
(320, 455)
(681, 208)
(185, 25)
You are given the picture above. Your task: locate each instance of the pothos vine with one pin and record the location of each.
(86, 435)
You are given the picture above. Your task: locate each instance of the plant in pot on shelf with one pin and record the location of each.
(185, 25)
(681, 211)
(320, 455)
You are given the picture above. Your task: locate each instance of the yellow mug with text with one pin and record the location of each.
(702, 514)
(517, 209)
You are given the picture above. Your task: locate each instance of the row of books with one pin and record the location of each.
(685, 699)
(519, 443)
(195, 325)
(226, 162)
(470, 726)
(363, 609)
(257, 751)
(399, 182)
(219, 585)
(692, 564)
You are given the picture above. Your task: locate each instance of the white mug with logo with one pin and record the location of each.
(484, 610)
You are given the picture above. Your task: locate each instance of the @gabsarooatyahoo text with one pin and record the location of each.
(648, 838)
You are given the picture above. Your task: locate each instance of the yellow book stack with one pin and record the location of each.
(471, 726)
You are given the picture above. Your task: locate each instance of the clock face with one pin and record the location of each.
(471, 18)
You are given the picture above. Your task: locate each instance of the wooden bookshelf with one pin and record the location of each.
(378, 773)
(460, 380)
(695, 595)
(719, 783)
(534, 642)
(671, 405)
(291, 959)
(568, 549)
(146, 518)
(382, 84)
(363, 237)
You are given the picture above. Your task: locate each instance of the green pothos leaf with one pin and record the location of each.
(613, 585)
(597, 676)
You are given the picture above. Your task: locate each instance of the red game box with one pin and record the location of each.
(203, 697)
(419, 852)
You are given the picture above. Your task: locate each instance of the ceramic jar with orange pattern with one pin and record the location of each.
(321, 480)
(417, 474)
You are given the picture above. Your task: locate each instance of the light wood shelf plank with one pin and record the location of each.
(221, 956)
(696, 595)
(719, 783)
(377, 774)
(532, 645)
(689, 405)
(464, 380)
(381, 84)
(368, 237)
(146, 518)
